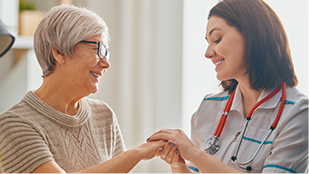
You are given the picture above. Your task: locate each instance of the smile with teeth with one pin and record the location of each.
(218, 63)
(94, 74)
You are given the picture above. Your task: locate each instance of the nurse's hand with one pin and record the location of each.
(170, 155)
(185, 146)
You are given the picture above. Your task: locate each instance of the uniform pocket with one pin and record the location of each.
(256, 132)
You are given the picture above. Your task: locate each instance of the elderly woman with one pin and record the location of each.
(56, 128)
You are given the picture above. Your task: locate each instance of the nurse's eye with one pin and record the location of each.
(217, 41)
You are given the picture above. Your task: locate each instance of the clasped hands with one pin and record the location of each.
(176, 146)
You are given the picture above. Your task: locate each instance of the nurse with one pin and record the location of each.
(259, 122)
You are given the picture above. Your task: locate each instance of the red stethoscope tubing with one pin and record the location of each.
(230, 101)
(224, 115)
(281, 106)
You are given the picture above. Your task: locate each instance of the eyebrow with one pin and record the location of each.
(211, 31)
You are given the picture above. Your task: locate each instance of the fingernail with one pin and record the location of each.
(174, 144)
(176, 152)
(160, 150)
(169, 143)
(148, 139)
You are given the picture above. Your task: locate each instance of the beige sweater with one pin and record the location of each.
(32, 133)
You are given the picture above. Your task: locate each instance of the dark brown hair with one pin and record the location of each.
(267, 56)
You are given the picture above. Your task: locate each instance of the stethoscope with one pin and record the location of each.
(211, 146)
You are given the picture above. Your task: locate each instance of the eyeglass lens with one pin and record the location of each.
(103, 52)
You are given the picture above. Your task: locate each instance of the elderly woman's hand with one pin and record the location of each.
(148, 150)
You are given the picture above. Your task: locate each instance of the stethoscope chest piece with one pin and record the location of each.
(210, 145)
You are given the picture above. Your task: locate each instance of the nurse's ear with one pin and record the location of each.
(59, 57)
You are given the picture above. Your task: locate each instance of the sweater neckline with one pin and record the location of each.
(64, 119)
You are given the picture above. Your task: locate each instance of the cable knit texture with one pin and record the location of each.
(33, 133)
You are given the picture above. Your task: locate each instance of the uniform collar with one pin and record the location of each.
(271, 103)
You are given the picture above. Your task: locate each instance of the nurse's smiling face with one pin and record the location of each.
(226, 49)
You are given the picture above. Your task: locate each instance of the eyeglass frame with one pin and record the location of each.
(100, 44)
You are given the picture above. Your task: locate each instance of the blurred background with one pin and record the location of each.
(158, 74)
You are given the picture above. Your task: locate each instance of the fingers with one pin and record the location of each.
(170, 154)
(177, 159)
(164, 134)
(157, 144)
(181, 160)
(158, 136)
(158, 151)
(164, 150)
(168, 151)
(149, 149)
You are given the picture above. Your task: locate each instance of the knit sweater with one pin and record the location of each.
(33, 133)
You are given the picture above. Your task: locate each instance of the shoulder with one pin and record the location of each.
(98, 105)
(99, 109)
(294, 96)
(20, 118)
(221, 96)
(214, 100)
(290, 135)
(295, 110)
(15, 114)
(95, 102)
(10, 120)
(19, 137)
(212, 103)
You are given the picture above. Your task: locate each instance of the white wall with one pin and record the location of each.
(199, 77)
(143, 85)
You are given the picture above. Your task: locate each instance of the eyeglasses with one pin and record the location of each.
(102, 51)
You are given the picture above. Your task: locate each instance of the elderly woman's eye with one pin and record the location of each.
(96, 49)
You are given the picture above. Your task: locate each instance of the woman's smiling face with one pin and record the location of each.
(87, 67)
(226, 49)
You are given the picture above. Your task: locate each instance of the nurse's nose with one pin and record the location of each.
(210, 53)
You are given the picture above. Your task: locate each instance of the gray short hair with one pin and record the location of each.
(62, 28)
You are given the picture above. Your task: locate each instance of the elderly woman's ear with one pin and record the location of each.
(59, 57)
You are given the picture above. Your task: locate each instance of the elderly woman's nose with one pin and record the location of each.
(104, 63)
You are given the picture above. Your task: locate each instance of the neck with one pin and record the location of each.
(249, 97)
(56, 94)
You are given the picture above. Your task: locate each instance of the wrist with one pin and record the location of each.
(195, 152)
(183, 168)
(177, 166)
(139, 153)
